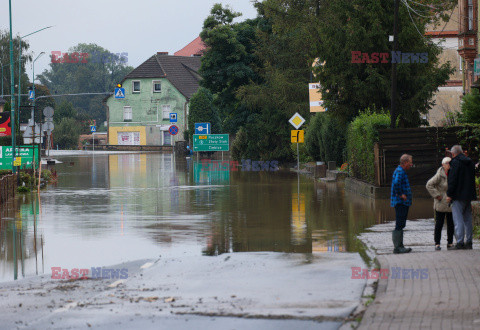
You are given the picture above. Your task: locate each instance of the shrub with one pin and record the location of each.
(325, 138)
(470, 108)
(361, 137)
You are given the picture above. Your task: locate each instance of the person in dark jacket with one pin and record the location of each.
(461, 192)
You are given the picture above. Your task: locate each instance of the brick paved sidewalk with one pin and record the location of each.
(448, 299)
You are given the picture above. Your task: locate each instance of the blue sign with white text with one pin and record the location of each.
(202, 128)
(31, 95)
(173, 117)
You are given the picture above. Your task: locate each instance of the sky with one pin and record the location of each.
(140, 28)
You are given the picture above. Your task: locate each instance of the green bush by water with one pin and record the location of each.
(361, 137)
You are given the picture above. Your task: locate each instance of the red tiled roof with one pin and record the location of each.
(195, 48)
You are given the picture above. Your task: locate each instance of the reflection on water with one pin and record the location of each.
(114, 208)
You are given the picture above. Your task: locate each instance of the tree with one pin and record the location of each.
(470, 108)
(203, 110)
(69, 124)
(364, 26)
(228, 62)
(287, 46)
(91, 77)
(5, 61)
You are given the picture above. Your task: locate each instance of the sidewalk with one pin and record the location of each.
(449, 298)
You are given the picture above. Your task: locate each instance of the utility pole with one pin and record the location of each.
(393, 108)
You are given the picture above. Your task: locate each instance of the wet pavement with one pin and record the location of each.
(113, 209)
(424, 289)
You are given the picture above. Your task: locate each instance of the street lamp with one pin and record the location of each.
(20, 65)
(33, 104)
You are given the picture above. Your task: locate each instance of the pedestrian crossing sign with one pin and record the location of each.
(119, 93)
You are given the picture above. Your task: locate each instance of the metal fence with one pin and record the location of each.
(427, 145)
(8, 186)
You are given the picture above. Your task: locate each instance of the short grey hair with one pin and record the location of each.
(405, 158)
(456, 150)
(446, 160)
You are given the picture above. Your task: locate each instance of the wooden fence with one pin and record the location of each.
(427, 145)
(8, 186)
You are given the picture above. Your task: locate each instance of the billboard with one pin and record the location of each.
(5, 126)
(316, 102)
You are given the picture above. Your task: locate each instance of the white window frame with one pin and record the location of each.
(166, 110)
(126, 113)
(154, 82)
(133, 87)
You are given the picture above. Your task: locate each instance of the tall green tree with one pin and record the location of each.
(287, 46)
(5, 63)
(90, 77)
(228, 62)
(364, 26)
(203, 110)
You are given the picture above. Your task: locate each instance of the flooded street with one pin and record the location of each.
(111, 209)
(108, 209)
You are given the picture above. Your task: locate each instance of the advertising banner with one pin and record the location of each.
(5, 127)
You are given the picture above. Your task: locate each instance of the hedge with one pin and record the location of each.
(361, 137)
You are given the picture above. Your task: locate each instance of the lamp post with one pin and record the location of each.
(33, 102)
(20, 65)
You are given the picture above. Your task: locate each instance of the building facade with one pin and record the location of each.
(158, 89)
(448, 97)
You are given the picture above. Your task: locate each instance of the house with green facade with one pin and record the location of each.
(160, 86)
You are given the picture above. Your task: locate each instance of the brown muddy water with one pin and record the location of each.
(108, 209)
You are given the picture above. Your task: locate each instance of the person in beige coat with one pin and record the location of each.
(437, 187)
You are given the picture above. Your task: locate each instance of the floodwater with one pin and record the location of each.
(109, 209)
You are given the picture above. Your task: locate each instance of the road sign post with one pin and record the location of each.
(297, 121)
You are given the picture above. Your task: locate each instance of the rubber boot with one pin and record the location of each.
(401, 243)
(398, 242)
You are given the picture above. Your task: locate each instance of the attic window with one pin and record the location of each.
(136, 86)
(157, 86)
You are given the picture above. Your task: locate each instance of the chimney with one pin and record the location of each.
(162, 53)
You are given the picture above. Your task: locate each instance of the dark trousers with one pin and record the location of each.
(439, 219)
(401, 212)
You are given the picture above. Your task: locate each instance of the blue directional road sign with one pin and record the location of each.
(173, 117)
(202, 128)
(31, 95)
(119, 93)
(93, 128)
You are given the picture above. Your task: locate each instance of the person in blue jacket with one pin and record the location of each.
(401, 200)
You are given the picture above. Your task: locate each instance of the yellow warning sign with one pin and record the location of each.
(17, 161)
(298, 136)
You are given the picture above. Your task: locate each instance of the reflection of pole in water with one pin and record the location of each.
(15, 270)
(35, 232)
